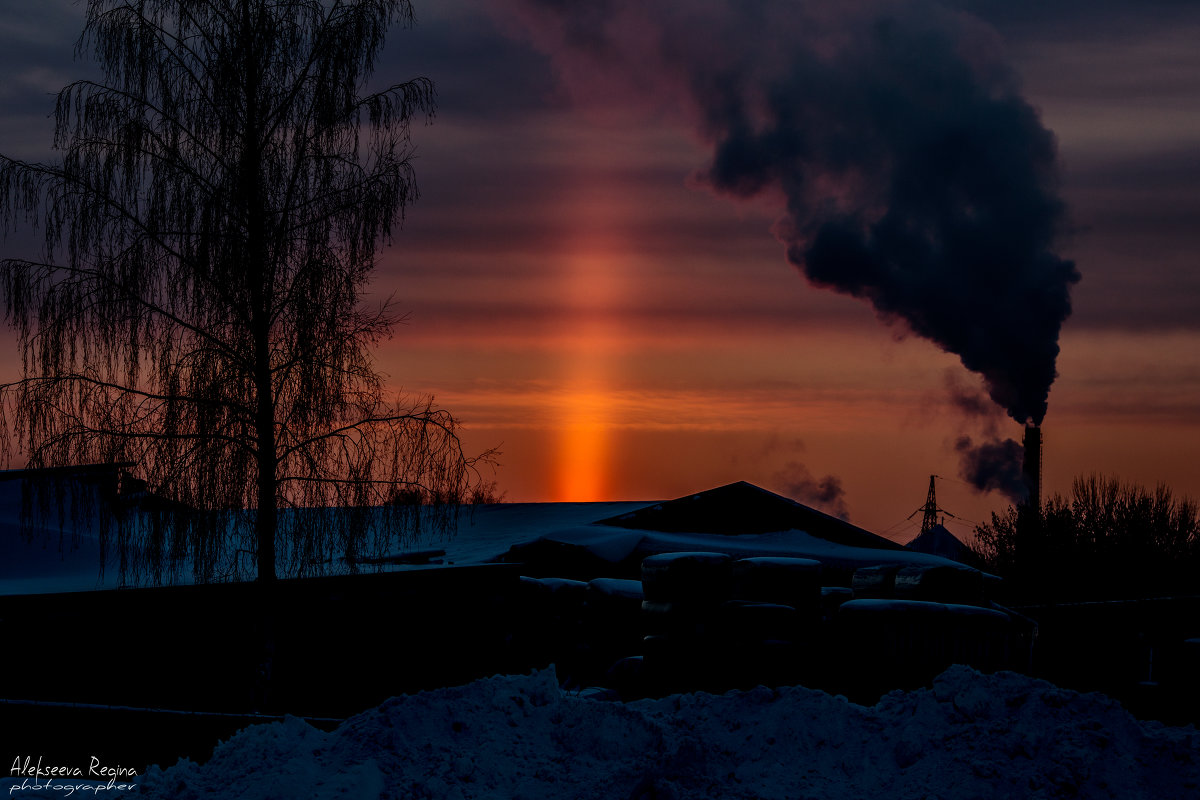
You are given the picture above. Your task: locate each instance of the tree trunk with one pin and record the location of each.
(260, 277)
(267, 518)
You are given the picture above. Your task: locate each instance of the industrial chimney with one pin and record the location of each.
(1031, 467)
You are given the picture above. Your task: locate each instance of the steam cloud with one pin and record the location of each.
(826, 492)
(912, 172)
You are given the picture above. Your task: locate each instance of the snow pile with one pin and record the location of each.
(971, 736)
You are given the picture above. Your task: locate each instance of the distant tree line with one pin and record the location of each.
(1108, 540)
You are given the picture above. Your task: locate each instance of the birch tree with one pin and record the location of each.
(198, 304)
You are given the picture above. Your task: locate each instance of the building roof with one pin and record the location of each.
(743, 508)
(940, 542)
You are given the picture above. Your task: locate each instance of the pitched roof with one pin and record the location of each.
(742, 508)
(939, 542)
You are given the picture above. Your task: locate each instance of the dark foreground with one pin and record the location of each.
(328, 648)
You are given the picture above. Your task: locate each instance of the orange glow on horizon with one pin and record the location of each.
(584, 452)
(582, 473)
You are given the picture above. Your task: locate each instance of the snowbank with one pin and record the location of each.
(971, 736)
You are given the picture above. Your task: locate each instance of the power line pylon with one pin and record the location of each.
(930, 508)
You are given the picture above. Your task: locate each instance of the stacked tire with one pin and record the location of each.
(940, 583)
(875, 583)
(612, 622)
(832, 598)
(772, 619)
(683, 597)
(981, 637)
(935, 583)
(903, 644)
(891, 644)
(552, 629)
(793, 582)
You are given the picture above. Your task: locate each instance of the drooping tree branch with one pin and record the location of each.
(208, 235)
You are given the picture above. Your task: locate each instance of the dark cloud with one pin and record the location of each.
(1141, 235)
(914, 174)
(482, 76)
(1076, 19)
(1151, 194)
(36, 60)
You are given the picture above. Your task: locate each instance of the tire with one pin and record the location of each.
(875, 583)
(681, 664)
(909, 638)
(743, 622)
(616, 594)
(981, 637)
(942, 584)
(678, 620)
(559, 597)
(687, 577)
(832, 597)
(794, 582)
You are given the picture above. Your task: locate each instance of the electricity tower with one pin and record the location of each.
(930, 508)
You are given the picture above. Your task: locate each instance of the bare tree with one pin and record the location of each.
(1108, 539)
(197, 307)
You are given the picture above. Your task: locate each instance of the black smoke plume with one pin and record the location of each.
(913, 173)
(971, 403)
(994, 466)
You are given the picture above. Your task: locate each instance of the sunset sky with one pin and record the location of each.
(581, 296)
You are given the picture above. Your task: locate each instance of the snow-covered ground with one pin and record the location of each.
(970, 736)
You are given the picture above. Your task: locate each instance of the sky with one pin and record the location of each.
(612, 272)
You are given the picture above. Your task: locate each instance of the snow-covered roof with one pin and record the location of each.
(739, 519)
(741, 508)
(939, 542)
(619, 545)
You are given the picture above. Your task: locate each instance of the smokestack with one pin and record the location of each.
(1031, 467)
